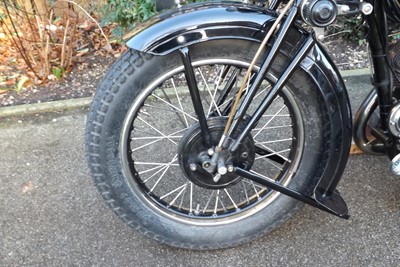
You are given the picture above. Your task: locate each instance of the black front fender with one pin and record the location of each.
(196, 23)
(202, 22)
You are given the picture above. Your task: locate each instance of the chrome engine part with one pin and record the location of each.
(319, 13)
(395, 165)
(394, 120)
(394, 59)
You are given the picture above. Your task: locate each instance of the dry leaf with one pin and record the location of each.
(108, 48)
(23, 82)
(27, 187)
(82, 52)
(83, 25)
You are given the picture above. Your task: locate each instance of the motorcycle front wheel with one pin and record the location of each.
(142, 135)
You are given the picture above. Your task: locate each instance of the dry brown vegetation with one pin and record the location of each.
(40, 41)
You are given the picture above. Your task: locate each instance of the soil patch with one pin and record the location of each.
(85, 76)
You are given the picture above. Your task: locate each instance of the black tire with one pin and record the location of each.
(115, 125)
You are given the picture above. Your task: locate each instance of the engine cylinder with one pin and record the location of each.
(319, 13)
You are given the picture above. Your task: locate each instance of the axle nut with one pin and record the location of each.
(193, 167)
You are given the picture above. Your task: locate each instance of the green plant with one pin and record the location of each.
(349, 28)
(128, 12)
(58, 72)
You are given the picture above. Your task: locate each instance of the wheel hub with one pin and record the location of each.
(194, 157)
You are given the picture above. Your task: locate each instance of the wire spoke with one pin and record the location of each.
(154, 163)
(274, 127)
(276, 116)
(245, 192)
(165, 110)
(178, 109)
(231, 99)
(271, 163)
(158, 131)
(213, 103)
(216, 202)
(169, 100)
(222, 204)
(268, 122)
(180, 104)
(173, 191)
(150, 170)
(255, 190)
(173, 201)
(221, 70)
(208, 202)
(230, 198)
(156, 139)
(183, 196)
(162, 175)
(263, 176)
(274, 141)
(191, 198)
(275, 153)
(159, 168)
(154, 174)
(154, 145)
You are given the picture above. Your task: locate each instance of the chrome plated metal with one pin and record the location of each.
(366, 8)
(394, 120)
(343, 9)
(361, 119)
(319, 13)
(395, 165)
(193, 167)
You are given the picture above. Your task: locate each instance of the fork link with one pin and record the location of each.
(236, 115)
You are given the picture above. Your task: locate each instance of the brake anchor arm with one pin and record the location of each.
(333, 204)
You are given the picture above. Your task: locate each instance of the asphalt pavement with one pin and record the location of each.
(52, 215)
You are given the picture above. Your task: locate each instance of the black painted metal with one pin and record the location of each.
(333, 90)
(195, 96)
(164, 4)
(274, 4)
(273, 92)
(201, 22)
(378, 41)
(219, 20)
(227, 89)
(383, 78)
(260, 77)
(333, 204)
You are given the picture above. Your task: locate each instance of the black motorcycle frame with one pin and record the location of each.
(177, 29)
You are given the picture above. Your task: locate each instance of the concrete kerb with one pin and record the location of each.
(29, 109)
(356, 72)
(54, 106)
